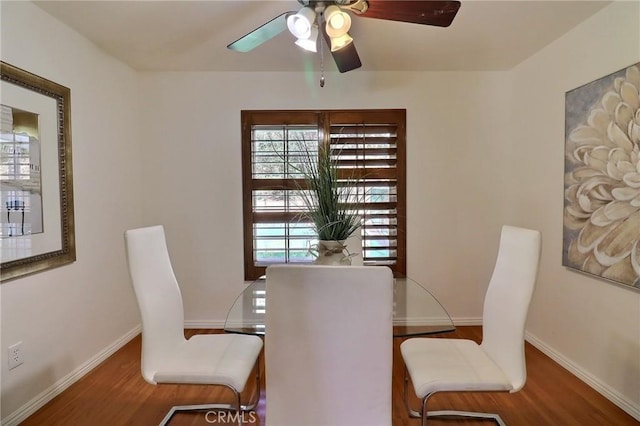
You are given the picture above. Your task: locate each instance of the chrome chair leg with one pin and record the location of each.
(467, 414)
(412, 413)
(237, 407)
(207, 407)
(442, 413)
(253, 402)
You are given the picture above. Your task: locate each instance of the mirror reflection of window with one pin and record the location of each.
(21, 186)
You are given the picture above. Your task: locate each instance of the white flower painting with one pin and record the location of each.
(602, 178)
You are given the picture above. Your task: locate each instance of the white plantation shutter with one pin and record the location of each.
(368, 144)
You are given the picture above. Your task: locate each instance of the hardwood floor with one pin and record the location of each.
(114, 393)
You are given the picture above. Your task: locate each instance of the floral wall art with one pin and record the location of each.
(602, 178)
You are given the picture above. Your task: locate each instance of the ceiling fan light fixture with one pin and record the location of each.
(309, 43)
(301, 23)
(338, 43)
(338, 22)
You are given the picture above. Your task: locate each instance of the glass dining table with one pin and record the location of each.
(416, 311)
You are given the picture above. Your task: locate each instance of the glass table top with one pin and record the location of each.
(415, 310)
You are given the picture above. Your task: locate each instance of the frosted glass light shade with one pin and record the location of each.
(301, 23)
(309, 43)
(338, 22)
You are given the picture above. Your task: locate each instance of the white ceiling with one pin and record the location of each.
(193, 35)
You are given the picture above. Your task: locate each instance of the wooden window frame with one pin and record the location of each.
(323, 119)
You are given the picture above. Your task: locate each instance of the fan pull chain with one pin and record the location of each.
(321, 62)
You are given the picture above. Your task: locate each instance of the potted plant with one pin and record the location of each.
(332, 204)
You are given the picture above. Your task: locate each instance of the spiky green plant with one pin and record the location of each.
(331, 203)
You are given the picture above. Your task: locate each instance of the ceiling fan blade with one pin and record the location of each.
(261, 34)
(425, 12)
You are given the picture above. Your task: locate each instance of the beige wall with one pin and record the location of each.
(484, 148)
(66, 316)
(591, 323)
(193, 178)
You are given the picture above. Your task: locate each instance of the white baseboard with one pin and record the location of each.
(57, 388)
(633, 409)
(466, 321)
(204, 324)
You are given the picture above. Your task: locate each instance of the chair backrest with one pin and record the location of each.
(328, 346)
(158, 295)
(507, 300)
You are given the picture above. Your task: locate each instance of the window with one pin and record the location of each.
(369, 143)
(20, 175)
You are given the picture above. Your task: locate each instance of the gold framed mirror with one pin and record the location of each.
(36, 179)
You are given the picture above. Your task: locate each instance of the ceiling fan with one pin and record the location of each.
(332, 19)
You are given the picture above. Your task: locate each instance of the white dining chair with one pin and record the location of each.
(167, 356)
(328, 349)
(498, 363)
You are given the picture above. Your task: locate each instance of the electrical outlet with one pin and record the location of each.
(15, 355)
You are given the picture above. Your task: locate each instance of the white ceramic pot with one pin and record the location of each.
(331, 253)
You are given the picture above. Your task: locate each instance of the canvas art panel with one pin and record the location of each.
(602, 178)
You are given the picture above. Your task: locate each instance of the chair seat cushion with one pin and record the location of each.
(437, 365)
(226, 359)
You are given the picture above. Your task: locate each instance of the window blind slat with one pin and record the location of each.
(370, 174)
(390, 151)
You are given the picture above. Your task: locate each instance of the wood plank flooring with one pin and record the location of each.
(115, 394)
